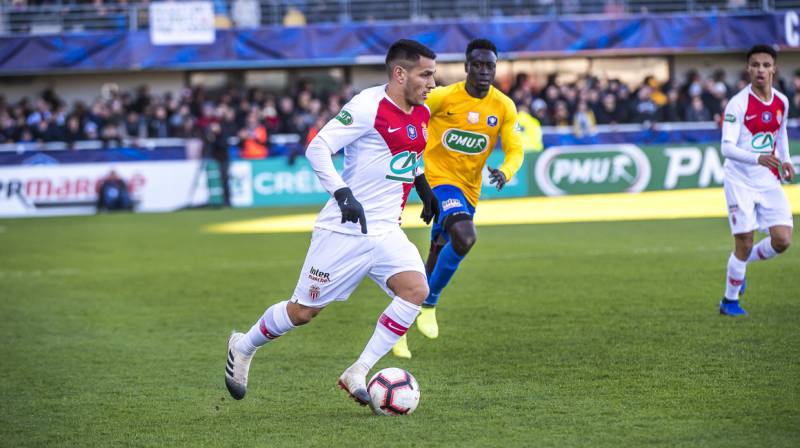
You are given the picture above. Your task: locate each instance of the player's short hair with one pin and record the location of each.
(481, 44)
(406, 52)
(761, 48)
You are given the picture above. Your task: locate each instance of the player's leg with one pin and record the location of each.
(742, 220)
(460, 235)
(437, 243)
(398, 269)
(334, 266)
(401, 349)
(774, 213)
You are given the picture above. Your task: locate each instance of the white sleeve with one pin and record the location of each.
(319, 156)
(731, 151)
(782, 144)
(356, 118)
(731, 129)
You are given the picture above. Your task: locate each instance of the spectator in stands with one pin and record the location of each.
(8, 128)
(645, 110)
(609, 113)
(540, 112)
(254, 138)
(530, 129)
(112, 194)
(216, 147)
(670, 112)
(583, 122)
(46, 131)
(110, 135)
(133, 128)
(74, 131)
(697, 110)
(794, 96)
(561, 114)
(287, 115)
(157, 126)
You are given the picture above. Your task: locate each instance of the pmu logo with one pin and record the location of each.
(465, 142)
(763, 142)
(403, 166)
(565, 170)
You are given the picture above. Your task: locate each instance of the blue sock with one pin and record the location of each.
(446, 266)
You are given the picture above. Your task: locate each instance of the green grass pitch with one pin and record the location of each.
(599, 335)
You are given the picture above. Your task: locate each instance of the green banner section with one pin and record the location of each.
(559, 170)
(616, 168)
(274, 182)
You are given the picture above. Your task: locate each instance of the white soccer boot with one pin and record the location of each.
(354, 382)
(236, 367)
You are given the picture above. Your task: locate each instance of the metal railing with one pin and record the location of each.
(68, 16)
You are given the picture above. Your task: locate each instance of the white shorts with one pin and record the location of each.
(337, 262)
(750, 209)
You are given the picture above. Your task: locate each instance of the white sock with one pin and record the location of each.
(392, 324)
(274, 323)
(736, 270)
(762, 251)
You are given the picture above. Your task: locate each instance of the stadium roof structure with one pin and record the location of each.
(366, 43)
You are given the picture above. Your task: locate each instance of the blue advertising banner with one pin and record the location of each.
(347, 44)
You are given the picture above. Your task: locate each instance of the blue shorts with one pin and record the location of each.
(451, 202)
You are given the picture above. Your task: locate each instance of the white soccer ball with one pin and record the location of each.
(393, 391)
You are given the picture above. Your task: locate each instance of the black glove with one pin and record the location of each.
(497, 177)
(430, 205)
(351, 209)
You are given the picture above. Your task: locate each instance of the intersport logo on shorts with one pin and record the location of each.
(562, 170)
(465, 142)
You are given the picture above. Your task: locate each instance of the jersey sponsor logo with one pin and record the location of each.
(730, 118)
(762, 142)
(518, 128)
(565, 170)
(424, 130)
(491, 121)
(749, 117)
(465, 142)
(450, 204)
(318, 276)
(411, 131)
(766, 117)
(403, 167)
(345, 118)
(391, 129)
(779, 117)
(473, 117)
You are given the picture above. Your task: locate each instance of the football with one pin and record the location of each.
(393, 391)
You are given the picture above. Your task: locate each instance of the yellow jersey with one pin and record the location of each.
(463, 131)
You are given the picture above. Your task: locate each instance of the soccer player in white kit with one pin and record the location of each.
(756, 149)
(383, 131)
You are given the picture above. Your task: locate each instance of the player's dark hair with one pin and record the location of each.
(406, 52)
(761, 48)
(481, 44)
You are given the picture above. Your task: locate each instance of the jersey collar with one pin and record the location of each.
(766, 103)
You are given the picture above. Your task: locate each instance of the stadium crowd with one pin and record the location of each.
(248, 117)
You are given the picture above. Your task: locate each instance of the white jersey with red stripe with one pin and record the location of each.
(383, 148)
(758, 127)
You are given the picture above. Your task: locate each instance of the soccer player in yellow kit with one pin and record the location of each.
(467, 118)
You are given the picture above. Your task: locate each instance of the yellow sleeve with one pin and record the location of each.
(512, 143)
(435, 98)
